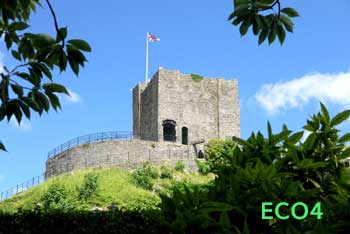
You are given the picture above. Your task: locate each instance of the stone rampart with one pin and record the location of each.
(124, 154)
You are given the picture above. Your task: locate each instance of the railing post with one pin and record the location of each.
(17, 189)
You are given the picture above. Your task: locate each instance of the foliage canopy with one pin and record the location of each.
(29, 86)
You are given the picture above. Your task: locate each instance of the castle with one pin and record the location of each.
(174, 116)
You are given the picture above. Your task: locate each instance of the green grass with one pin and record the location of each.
(196, 77)
(114, 185)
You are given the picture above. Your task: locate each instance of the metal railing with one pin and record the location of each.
(21, 187)
(106, 136)
(86, 139)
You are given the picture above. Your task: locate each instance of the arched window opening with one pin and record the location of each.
(169, 131)
(200, 154)
(185, 136)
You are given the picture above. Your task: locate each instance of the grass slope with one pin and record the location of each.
(114, 185)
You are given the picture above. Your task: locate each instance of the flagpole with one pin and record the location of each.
(146, 57)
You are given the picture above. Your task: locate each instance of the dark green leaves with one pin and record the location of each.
(2, 147)
(339, 118)
(55, 88)
(248, 13)
(24, 88)
(80, 44)
(18, 26)
(290, 12)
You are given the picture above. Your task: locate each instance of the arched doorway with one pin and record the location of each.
(169, 131)
(184, 136)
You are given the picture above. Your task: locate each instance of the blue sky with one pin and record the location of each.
(283, 84)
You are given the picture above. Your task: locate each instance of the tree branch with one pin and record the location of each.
(55, 22)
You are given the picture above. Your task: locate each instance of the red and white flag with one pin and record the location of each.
(151, 37)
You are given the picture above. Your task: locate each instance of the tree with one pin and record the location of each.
(279, 167)
(253, 13)
(28, 87)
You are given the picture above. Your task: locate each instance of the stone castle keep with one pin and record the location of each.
(174, 116)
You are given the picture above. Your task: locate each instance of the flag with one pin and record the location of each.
(151, 37)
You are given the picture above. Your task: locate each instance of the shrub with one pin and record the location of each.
(180, 166)
(273, 168)
(89, 187)
(57, 198)
(143, 176)
(196, 77)
(165, 173)
(203, 167)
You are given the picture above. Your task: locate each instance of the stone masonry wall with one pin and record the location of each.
(209, 108)
(149, 111)
(120, 153)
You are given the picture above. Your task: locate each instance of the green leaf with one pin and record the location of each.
(16, 55)
(310, 140)
(45, 70)
(325, 112)
(244, 27)
(345, 138)
(272, 36)
(17, 89)
(256, 28)
(288, 24)
(281, 34)
(269, 129)
(80, 44)
(339, 118)
(62, 33)
(18, 26)
(2, 146)
(31, 103)
(25, 109)
(238, 20)
(42, 99)
(296, 137)
(290, 12)
(317, 185)
(62, 61)
(55, 88)
(54, 101)
(73, 64)
(263, 36)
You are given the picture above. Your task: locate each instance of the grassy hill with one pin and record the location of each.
(114, 186)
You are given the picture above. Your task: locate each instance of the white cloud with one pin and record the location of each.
(73, 97)
(25, 124)
(334, 88)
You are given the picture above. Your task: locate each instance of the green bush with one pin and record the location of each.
(165, 173)
(196, 77)
(89, 187)
(81, 222)
(179, 166)
(57, 198)
(273, 168)
(143, 176)
(203, 167)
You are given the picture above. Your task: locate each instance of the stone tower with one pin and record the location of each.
(175, 107)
